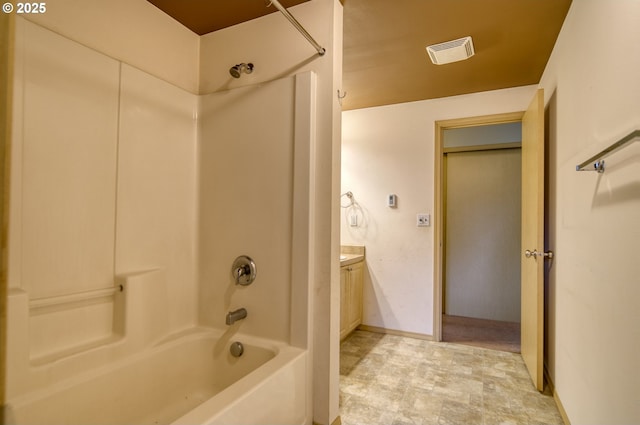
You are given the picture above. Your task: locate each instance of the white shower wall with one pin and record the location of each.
(277, 50)
(69, 131)
(246, 201)
(131, 31)
(119, 148)
(157, 187)
(103, 183)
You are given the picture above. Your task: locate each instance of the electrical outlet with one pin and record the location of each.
(423, 220)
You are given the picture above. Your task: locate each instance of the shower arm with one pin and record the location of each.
(321, 50)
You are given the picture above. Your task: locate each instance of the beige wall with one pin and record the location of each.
(390, 149)
(592, 89)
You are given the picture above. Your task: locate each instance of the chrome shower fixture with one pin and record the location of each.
(237, 70)
(244, 270)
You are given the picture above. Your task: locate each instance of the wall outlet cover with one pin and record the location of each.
(423, 220)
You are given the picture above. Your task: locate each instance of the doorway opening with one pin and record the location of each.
(478, 197)
(532, 250)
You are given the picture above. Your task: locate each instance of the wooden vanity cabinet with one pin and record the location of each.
(351, 281)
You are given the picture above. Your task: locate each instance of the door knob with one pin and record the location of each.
(535, 254)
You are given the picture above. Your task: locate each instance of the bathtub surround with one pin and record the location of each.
(258, 210)
(139, 321)
(58, 93)
(99, 149)
(277, 50)
(94, 123)
(249, 212)
(591, 101)
(146, 193)
(131, 31)
(158, 190)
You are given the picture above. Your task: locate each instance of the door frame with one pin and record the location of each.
(439, 181)
(7, 37)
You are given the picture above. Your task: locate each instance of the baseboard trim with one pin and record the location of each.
(379, 330)
(336, 421)
(563, 412)
(556, 397)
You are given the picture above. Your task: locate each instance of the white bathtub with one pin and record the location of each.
(189, 379)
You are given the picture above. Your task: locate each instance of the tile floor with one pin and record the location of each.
(392, 380)
(492, 334)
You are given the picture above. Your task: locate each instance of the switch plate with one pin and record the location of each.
(423, 220)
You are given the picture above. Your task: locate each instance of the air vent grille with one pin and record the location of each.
(451, 51)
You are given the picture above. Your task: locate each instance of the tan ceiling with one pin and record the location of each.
(385, 60)
(205, 16)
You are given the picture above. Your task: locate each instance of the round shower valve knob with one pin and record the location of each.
(244, 270)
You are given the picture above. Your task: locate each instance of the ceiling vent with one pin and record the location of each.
(451, 51)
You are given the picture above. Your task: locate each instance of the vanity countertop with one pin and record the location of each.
(350, 254)
(348, 259)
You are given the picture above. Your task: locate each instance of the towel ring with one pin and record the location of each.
(348, 195)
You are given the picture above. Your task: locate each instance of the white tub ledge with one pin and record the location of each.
(274, 393)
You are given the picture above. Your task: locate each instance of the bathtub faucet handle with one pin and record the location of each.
(243, 270)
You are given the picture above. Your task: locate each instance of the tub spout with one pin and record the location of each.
(234, 316)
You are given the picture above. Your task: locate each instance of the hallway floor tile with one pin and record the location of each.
(393, 380)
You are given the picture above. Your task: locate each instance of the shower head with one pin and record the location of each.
(237, 70)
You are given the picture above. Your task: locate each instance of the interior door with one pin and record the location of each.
(532, 255)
